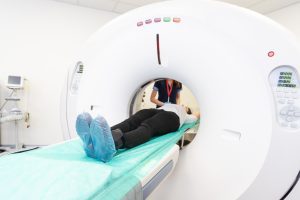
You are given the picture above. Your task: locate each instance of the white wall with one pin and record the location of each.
(38, 39)
(288, 17)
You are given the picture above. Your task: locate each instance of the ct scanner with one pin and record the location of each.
(241, 67)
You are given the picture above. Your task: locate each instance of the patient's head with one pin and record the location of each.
(188, 110)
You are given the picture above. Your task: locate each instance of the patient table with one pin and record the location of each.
(63, 171)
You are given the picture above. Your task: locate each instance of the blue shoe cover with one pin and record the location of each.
(103, 142)
(83, 122)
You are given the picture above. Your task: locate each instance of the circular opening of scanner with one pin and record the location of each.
(142, 100)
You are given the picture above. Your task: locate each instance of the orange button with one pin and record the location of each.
(176, 19)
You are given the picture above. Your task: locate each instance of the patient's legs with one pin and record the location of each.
(135, 120)
(99, 142)
(130, 124)
(161, 123)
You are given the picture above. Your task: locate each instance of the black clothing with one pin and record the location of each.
(145, 124)
(163, 93)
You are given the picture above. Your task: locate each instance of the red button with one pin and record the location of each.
(271, 53)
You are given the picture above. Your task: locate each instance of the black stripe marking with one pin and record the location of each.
(158, 49)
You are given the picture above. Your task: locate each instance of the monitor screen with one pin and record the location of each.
(14, 80)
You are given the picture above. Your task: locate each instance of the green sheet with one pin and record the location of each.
(63, 171)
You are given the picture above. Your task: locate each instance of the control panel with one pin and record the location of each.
(76, 77)
(285, 83)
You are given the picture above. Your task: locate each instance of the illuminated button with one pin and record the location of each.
(281, 101)
(294, 125)
(148, 21)
(271, 53)
(140, 24)
(157, 20)
(289, 119)
(176, 19)
(297, 114)
(167, 19)
(290, 101)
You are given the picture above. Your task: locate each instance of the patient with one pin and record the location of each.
(101, 142)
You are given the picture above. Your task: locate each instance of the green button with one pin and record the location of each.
(167, 19)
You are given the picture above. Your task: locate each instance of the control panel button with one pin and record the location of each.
(297, 114)
(139, 24)
(148, 21)
(156, 20)
(290, 101)
(167, 19)
(176, 19)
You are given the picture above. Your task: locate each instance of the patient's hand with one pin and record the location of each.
(197, 114)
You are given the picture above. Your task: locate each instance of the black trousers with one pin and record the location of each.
(145, 124)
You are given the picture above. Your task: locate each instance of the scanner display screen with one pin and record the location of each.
(285, 80)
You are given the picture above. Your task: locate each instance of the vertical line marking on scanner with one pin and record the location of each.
(158, 49)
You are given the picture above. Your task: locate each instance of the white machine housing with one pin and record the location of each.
(246, 148)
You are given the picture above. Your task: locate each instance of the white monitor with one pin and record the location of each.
(15, 82)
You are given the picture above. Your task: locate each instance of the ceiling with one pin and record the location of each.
(121, 6)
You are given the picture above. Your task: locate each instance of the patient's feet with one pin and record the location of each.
(83, 122)
(102, 139)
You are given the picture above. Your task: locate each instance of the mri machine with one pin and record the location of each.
(241, 67)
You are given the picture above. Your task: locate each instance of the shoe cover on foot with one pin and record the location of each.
(103, 142)
(83, 122)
